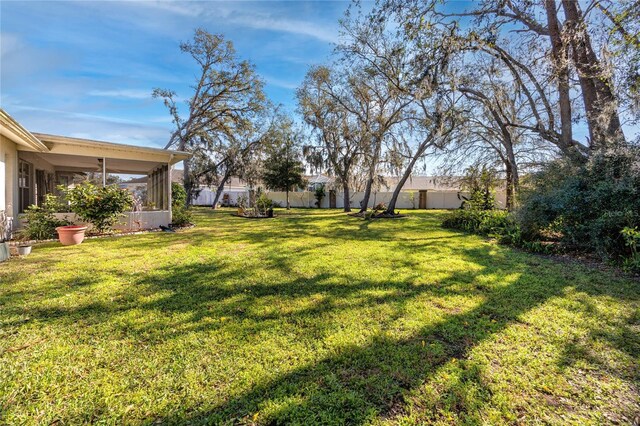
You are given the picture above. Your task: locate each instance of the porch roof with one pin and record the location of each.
(75, 154)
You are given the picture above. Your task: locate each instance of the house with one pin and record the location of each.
(34, 164)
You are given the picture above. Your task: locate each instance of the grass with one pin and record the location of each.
(314, 318)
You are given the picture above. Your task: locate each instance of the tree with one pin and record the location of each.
(565, 42)
(228, 97)
(282, 169)
(339, 135)
(377, 95)
(410, 100)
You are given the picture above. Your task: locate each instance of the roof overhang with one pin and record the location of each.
(12, 130)
(64, 145)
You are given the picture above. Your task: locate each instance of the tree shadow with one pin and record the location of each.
(357, 382)
(363, 382)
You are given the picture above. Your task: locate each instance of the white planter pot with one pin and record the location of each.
(4, 251)
(24, 250)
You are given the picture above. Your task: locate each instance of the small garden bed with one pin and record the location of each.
(253, 217)
(378, 212)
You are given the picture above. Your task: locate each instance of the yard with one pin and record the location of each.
(314, 317)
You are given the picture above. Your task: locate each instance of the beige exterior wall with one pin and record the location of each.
(8, 176)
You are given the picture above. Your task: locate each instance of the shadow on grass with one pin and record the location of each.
(363, 382)
(356, 383)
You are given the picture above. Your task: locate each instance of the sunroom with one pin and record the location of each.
(35, 164)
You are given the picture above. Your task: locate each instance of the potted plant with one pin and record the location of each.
(4, 228)
(99, 206)
(24, 249)
(71, 235)
(24, 245)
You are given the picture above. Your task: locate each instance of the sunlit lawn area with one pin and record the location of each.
(314, 318)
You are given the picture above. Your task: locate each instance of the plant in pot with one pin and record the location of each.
(24, 247)
(40, 223)
(100, 206)
(4, 229)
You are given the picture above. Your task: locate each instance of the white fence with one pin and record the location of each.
(206, 196)
(436, 199)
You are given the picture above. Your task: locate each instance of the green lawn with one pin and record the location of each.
(314, 318)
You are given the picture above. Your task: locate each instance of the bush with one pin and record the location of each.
(319, 194)
(263, 203)
(585, 207)
(178, 195)
(632, 241)
(40, 221)
(484, 222)
(100, 206)
(480, 182)
(180, 214)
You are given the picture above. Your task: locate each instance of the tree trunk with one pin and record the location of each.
(372, 175)
(364, 204)
(596, 84)
(396, 192)
(288, 205)
(560, 61)
(513, 178)
(509, 188)
(345, 194)
(219, 190)
(187, 183)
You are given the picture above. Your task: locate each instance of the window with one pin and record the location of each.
(25, 186)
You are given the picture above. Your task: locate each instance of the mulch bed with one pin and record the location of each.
(253, 217)
(382, 215)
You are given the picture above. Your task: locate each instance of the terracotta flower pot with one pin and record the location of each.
(71, 235)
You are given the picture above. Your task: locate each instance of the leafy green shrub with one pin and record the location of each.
(100, 206)
(180, 214)
(585, 207)
(40, 221)
(319, 194)
(496, 223)
(263, 204)
(632, 240)
(480, 182)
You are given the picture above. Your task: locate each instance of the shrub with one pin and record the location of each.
(586, 207)
(632, 240)
(180, 213)
(495, 223)
(40, 221)
(263, 204)
(480, 182)
(319, 194)
(178, 194)
(100, 206)
(243, 201)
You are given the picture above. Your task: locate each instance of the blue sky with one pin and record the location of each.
(87, 69)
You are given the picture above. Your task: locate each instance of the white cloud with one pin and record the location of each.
(9, 43)
(122, 93)
(244, 15)
(285, 84)
(292, 26)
